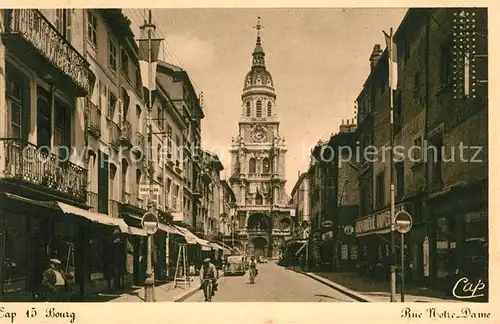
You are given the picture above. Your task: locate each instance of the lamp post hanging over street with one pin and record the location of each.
(148, 56)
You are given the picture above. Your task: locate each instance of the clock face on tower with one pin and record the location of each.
(259, 133)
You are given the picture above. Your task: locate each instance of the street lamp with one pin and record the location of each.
(150, 226)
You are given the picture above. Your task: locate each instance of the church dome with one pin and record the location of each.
(258, 77)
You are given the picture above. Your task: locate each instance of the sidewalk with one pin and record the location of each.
(365, 290)
(163, 293)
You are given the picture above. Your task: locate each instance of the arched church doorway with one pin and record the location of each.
(258, 246)
(258, 222)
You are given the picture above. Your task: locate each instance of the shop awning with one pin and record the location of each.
(224, 250)
(102, 219)
(124, 228)
(190, 237)
(92, 216)
(169, 229)
(205, 245)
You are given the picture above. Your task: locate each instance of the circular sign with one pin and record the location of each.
(403, 222)
(327, 224)
(348, 229)
(150, 223)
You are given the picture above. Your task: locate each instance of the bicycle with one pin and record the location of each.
(208, 289)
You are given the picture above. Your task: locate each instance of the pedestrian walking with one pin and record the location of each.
(54, 282)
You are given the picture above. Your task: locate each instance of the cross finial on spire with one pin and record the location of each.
(258, 26)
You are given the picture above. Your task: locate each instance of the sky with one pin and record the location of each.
(318, 59)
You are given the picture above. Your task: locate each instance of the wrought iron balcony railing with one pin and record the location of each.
(254, 231)
(126, 133)
(24, 161)
(140, 142)
(32, 26)
(114, 135)
(94, 119)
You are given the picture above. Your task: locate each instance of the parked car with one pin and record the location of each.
(235, 265)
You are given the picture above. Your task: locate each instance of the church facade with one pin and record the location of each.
(262, 221)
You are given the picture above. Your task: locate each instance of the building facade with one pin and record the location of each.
(300, 199)
(258, 165)
(75, 153)
(436, 113)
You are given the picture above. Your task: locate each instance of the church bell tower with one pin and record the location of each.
(258, 164)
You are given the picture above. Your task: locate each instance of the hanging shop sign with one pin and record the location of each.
(378, 222)
(327, 224)
(348, 229)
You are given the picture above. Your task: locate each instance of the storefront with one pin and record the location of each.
(373, 236)
(459, 238)
(33, 231)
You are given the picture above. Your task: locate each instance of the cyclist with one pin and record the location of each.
(208, 271)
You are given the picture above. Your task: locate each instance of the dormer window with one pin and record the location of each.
(258, 81)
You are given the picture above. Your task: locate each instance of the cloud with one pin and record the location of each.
(193, 53)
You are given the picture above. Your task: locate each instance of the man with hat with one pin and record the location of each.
(208, 271)
(54, 282)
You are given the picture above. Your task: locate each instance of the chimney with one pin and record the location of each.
(377, 51)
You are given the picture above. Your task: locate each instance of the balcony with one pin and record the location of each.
(285, 232)
(136, 201)
(257, 232)
(178, 168)
(92, 201)
(126, 134)
(25, 162)
(28, 33)
(93, 120)
(114, 135)
(140, 143)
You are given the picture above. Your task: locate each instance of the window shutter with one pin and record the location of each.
(118, 108)
(68, 13)
(104, 99)
(96, 93)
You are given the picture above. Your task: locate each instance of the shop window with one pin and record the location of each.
(97, 259)
(445, 247)
(63, 244)
(13, 246)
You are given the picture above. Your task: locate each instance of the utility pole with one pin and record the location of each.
(148, 51)
(391, 171)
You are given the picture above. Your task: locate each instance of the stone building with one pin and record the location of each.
(258, 164)
(73, 152)
(300, 200)
(445, 192)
